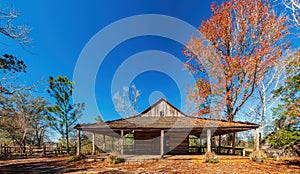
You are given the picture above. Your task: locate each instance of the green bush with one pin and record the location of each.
(87, 149)
(113, 159)
(75, 158)
(283, 138)
(117, 161)
(210, 157)
(271, 156)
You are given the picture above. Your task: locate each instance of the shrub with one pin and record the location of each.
(284, 138)
(271, 156)
(210, 157)
(113, 158)
(75, 158)
(258, 155)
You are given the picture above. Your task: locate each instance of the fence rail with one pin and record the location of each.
(6, 150)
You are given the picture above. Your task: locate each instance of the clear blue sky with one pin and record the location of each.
(61, 29)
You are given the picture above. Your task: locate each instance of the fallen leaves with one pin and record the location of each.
(291, 165)
(226, 165)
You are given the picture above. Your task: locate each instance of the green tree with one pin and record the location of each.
(290, 91)
(64, 114)
(283, 138)
(9, 65)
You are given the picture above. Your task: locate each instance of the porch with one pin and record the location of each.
(162, 129)
(194, 158)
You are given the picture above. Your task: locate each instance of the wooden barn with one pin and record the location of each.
(164, 129)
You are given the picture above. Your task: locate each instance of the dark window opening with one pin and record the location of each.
(162, 113)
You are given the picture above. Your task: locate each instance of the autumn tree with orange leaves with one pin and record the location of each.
(240, 43)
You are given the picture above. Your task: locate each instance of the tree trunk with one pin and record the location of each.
(262, 129)
(24, 146)
(229, 109)
(67, 137)
(231, 138)
(41, 137)
(232, 135)
(38, 143)
(24, 141)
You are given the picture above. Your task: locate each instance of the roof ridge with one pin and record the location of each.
(144, 111)
(184, 115)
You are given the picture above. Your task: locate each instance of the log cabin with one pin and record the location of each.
(164, 129)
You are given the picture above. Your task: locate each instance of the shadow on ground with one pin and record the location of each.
(293, 162)
(37, 165)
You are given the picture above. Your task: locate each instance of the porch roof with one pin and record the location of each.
(167, 122)
(149, 121)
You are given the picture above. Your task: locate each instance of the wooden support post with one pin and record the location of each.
(78, 143)
(112, 143)
(208, 140)
(122, 143)
(134, 142)
(0, 149)
(256, 139)
(30, 150)
(5, 150)
(233, 144)
(93, 143)
(162, 142)
(201, 145)
(55, 151)
(104, 143)
(59, 149)
(219, 149)
(200, 141)
(44, 150)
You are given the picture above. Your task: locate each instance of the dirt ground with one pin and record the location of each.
(58, 165)
(33, 165)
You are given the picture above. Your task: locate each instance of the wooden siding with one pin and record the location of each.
(179, 143)
(147, 142)
(164, 107)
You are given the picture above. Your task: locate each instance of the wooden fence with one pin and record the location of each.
(6, 150)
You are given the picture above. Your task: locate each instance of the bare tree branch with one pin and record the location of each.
(126, 103)
(16, 32)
